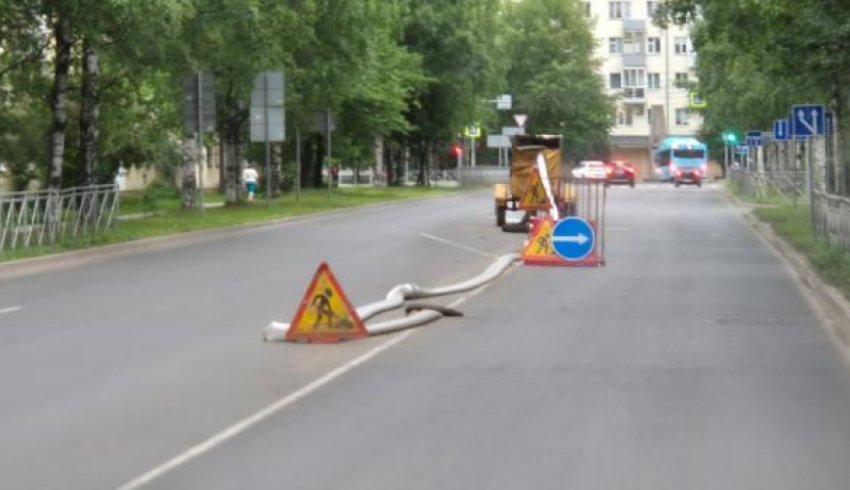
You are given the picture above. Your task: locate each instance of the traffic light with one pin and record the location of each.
(730, 137)
(456, 150)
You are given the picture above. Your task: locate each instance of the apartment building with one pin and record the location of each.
(641, 64)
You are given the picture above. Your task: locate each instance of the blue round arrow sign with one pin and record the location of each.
(573, 238)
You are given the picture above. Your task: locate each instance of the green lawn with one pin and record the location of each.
(167, 218)
(794, 224)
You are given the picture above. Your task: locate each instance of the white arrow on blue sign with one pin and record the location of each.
(573, 238)
(808, 120)
(780, 129)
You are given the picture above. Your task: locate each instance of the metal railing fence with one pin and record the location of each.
(37, 218)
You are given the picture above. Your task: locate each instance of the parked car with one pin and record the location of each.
(590, 169)
(619, 172)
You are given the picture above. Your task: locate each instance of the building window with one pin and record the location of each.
(650, 9)
(653, 80)
(634, 77)
(681, 80)
(653, 45)
(633, 43)
(615, 80)
(615, 45)
(681, 45)
(587, 11)
(681, 117)
(619, 10)
(624, 117)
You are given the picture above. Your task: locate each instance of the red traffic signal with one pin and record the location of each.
(456, 150)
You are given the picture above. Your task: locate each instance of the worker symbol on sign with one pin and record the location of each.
(325, 315)
(324, 312)
(544, 244)
(534, 196)
(540, 248)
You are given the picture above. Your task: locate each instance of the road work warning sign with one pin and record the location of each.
(325, 315)
(539, 249)
(534, 198)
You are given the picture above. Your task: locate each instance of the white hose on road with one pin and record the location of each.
(276, 331)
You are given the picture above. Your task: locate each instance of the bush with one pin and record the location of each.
(155, 192)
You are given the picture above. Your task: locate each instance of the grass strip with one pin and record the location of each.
(165, 217)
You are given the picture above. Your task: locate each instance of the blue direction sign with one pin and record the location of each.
(780, 129)
(573, 238)
(807, 120)
(754, 138)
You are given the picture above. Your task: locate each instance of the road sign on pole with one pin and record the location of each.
(520, 119)
(268, 118)
(807, 120)
(498, 141)
(780, 129)
(197, 87)
(754, 138)
(573, 239)
(504, 102)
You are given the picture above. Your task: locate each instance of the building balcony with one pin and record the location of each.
(634, 25)
(633, 95)
(634, 60)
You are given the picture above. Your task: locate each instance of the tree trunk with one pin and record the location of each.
(89, 113)
(318, 161)
(235, 144)
(188, 182)
(379, 175)
(59, 98)
(276, 164)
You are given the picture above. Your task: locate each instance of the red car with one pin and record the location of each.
(617, 172)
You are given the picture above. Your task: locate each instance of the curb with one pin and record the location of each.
(827, 301)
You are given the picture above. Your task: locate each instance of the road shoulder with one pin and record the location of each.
(830, 305)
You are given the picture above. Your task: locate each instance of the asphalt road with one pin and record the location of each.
(690, 362)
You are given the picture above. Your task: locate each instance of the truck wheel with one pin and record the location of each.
(500, 215)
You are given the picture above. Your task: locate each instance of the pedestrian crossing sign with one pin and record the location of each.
(325, 314)
(534, 198)
(539, 249)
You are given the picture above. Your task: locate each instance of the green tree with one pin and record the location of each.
(554, 74)
(789, 52)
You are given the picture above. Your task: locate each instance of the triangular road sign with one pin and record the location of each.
(534, 197)
(325, 315)
(539, 249)
(520, 119)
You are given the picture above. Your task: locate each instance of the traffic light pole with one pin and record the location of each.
(459, 165)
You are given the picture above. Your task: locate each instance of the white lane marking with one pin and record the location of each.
(258, 417)
(10, 309)
(457, 245)
(245, 424)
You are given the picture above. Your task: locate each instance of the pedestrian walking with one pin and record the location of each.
(250, 177)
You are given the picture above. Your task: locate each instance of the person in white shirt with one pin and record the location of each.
(249, 177)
